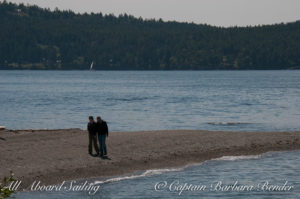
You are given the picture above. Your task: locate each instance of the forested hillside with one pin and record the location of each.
(36, 38)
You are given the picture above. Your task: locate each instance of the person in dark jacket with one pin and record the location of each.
(92, 129)
(102, 131)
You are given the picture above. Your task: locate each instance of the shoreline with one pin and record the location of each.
(156, 171)
(53, 156)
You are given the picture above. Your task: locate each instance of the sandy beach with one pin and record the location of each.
(53, 156)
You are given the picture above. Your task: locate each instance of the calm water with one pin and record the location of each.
(274, 168)
(129, 101)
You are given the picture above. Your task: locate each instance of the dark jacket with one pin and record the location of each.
(102, 128)
(92, 128)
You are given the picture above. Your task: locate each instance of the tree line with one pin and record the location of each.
(36, 38)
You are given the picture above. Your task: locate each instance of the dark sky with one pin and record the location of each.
(214, 12)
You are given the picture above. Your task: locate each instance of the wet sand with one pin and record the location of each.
(53, 156)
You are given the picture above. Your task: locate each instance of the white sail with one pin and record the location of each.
(91, 67)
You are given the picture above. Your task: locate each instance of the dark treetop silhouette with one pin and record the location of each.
(36, 38)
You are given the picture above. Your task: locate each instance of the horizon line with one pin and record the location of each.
(147, 19)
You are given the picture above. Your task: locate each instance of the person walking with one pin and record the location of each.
(92, 129)
(102, 130)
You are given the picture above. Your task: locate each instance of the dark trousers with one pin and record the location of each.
(102, 142)
(93, 140)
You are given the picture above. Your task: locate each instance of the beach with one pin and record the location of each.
(53, 156)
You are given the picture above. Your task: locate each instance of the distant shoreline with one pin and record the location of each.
(56, 39)
(53, 156)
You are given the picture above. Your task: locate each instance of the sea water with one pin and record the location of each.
(273, 175)
(151, 100)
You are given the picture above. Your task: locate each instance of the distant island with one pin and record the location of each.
(36, 38)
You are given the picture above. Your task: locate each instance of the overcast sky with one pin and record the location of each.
(214, 12)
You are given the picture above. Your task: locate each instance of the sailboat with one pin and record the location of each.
(91, 67)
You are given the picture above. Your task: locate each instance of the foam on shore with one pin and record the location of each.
(152, 172)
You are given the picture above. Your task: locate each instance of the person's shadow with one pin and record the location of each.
(2, 139)
(105, 158)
